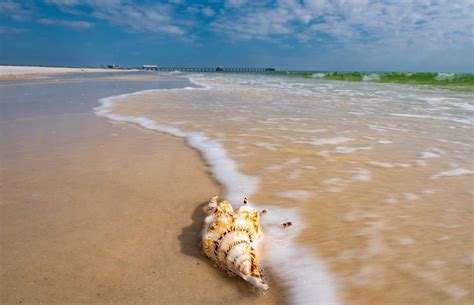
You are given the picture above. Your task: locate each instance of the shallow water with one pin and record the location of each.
(381, 175)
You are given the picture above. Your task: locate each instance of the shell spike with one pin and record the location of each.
(213, 200)
(256, 282)
(212, 205)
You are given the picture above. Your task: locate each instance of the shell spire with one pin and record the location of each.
(230, 238)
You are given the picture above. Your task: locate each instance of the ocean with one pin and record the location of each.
(374, 170)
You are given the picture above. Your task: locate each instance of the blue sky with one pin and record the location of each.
(404, 35)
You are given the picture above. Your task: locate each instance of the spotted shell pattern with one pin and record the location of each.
(230, 239)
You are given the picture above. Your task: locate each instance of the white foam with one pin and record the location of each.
(306, 276)
(406, 240)
(295, 194)
(385, 128)
(455, 142)
(330, 141)
(428, 191)
(266, 145)
(411, 196)
(428, 155)
(426, 116)
(456, 292)
(453, 172)
(371, 77)
(381, 164)
(293, 129)
(274, 167)
(334, 181)
(443, 238)
(297, 267)
(445, 76)
(362, 174)
(391, 201)
(344, 150)
(318, 75)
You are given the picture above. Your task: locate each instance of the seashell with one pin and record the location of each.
(230, 238)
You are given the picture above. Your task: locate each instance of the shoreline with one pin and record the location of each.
(89, 224)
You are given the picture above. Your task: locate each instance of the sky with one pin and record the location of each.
(318, 35)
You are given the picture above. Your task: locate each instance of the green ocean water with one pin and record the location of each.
(454, 81)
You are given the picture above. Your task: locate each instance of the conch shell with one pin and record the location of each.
(230, 239)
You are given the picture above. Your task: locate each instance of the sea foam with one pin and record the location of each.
(295, 194)
(330, 141)
(453, 172)
(306, 277)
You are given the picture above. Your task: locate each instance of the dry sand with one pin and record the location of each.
(94, 212)
(9, 72)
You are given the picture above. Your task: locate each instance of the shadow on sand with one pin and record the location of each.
(189, 238)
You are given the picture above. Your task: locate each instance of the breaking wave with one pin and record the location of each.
(417, 78)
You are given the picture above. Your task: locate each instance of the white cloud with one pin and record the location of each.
(153, 17)
(77, 25)
(192, 10)
(381, 26)
(235, 3)
(347, 19)
(208, 11)
(15, 10)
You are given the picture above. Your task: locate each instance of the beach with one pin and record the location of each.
(94, 212)
(104, 177)
(12, 72)
(237, 152)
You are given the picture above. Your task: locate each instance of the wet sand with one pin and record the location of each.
(94, 212)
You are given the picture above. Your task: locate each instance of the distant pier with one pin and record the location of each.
(217, 69)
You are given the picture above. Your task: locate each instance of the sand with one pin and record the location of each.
(9, 72)
(94, 212)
